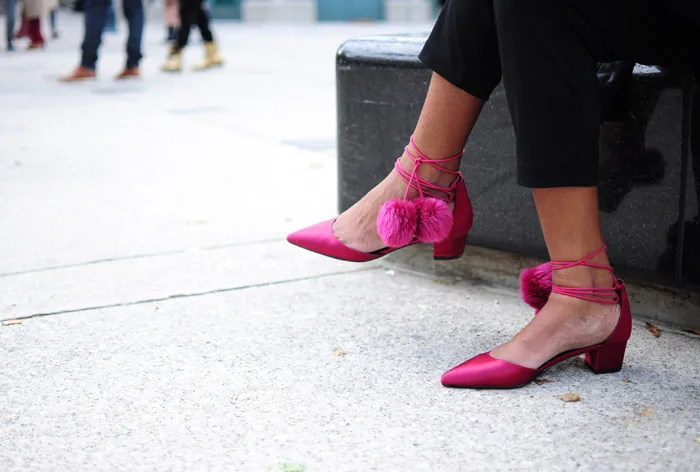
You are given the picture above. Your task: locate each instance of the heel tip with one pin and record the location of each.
(603, 371)
(447, 258)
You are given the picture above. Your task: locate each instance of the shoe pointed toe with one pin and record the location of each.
(485, 371)
(317, 238)
(320, 239)
(302, 237)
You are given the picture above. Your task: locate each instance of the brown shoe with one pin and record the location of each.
(81, 73)
(128, 73)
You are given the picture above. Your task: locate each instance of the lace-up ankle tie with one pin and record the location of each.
(426, 219)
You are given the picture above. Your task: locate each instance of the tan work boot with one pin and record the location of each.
(211, 57)
(173, 63)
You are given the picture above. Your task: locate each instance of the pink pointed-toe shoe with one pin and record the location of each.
(485, 371)
(402, 223)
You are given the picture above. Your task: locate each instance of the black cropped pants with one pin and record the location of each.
(192, 12)
(547, 53)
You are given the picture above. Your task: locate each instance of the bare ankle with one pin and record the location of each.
(430, 173)
(583, 277)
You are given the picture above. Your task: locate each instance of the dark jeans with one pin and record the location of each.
(192, 12)
(547, 53)
(52, 20)
(95, 18)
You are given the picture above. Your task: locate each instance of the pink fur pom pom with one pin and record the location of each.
(536, 285)
(434, 220)
(396, 222)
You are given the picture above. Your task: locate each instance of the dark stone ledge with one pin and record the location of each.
(648, 185)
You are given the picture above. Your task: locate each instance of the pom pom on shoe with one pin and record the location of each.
(396, 222)
(536, 285)
(434, 220)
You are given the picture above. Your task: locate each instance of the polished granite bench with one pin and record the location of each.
(649, 160)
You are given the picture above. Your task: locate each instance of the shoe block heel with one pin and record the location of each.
(606, 360)
(449, 249)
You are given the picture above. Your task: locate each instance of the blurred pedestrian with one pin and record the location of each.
(172, 19)
(34, 10)
(95, 16)
(193, 12)
(52, 18)
(10, 13)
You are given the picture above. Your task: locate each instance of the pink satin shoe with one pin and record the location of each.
(485, 371)
(402, 223)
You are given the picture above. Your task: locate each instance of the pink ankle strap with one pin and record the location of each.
(593, 294)
(421, 185)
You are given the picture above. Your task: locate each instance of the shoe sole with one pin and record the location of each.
(213, 66)
(597, 372)
(80, 79)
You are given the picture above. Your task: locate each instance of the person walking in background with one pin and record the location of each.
(33, 11)
(10, 13)
(172, 19)
(52, 19)
(95, 17)
(192, 12)
(30, 28)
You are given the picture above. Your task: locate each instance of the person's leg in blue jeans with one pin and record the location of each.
(10, 12)
(133, 11)
(52, 18)
(95, 15)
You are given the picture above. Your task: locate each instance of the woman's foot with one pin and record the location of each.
(357, 226)
(441, 215)
(587, 313)
(173, 63)
(565, 322)
(212, 58)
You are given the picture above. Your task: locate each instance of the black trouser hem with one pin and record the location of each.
(442, 67)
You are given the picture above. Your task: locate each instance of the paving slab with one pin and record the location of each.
(133, 280)
(339, 373)
(176, 184)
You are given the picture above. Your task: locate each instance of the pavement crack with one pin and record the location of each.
(137, 256)
(189, 295)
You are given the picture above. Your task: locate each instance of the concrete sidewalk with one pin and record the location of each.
(167, 326)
